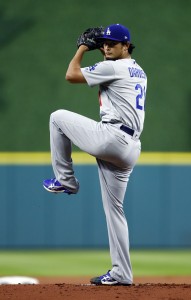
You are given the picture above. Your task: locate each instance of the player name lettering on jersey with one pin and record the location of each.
(135, 72)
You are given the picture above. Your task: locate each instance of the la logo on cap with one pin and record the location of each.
(108, 32)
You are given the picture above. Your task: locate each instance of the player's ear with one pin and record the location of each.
(126, 46)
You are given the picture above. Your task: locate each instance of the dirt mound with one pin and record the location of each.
(83, 290)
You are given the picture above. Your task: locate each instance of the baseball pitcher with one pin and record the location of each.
(114, 141)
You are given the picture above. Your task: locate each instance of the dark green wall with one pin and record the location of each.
(38, 39)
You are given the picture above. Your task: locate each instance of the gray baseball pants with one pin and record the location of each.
(116, 154)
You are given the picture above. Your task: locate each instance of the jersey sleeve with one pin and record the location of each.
(99, 73)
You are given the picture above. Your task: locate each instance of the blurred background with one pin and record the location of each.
(37, 41)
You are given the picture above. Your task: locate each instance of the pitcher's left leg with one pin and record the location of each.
(113, 182)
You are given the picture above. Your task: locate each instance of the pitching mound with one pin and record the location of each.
(77, 291)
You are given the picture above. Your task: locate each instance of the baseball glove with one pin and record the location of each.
(90, 38)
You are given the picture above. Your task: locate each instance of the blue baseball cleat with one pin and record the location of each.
(106, 279)
(54, 186)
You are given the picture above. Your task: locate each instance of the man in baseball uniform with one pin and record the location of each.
(114, 141)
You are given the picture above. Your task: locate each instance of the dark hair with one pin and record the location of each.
(131, 47)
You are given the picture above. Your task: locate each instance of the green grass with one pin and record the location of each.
(177, 262)
(85, 262)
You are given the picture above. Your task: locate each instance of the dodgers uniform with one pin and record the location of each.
(114, 142)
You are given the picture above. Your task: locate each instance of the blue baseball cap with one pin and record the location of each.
(116, 32)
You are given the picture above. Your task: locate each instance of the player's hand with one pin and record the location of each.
(84, 47)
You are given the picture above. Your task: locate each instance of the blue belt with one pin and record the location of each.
(127, 130)
(123, 127)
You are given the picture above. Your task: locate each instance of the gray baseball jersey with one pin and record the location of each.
(123, 86)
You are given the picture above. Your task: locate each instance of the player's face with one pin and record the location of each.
(115, 50)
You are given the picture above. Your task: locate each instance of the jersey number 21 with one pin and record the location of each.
(140, 99)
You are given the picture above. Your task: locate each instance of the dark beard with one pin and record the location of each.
(111, 58)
